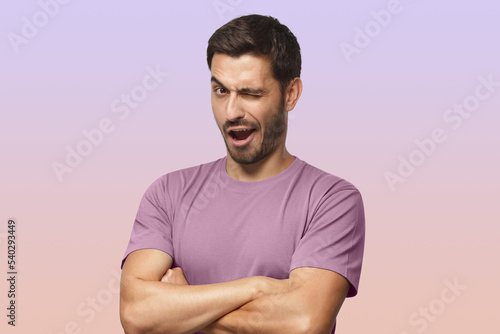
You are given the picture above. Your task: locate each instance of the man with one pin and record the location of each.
(258, 241)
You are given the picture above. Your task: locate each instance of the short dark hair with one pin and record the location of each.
(259, 35)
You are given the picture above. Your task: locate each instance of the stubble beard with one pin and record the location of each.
(270, 140)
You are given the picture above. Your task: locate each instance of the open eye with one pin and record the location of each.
(220, 91)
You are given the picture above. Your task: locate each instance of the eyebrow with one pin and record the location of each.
(246, 90)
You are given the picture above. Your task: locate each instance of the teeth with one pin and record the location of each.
(242, 130)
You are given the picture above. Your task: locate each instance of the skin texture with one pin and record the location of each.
(148, 304)
(244, 93)
(310, 304)
(156, 298)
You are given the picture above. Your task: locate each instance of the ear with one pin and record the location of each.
(292, 93)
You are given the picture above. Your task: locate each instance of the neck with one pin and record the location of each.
(270, 166)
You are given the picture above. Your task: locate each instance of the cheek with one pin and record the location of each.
(264, 114)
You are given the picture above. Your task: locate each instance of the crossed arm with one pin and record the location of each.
(157, 299)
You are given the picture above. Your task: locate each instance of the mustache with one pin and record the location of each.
(228, 124)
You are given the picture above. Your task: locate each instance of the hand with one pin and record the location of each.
(175, 276)
(265, 286)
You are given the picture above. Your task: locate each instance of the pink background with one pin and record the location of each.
(354, 120)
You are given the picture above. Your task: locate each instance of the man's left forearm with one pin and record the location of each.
(277, 313)
(310, 305)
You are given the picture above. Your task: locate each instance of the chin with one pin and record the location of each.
(248, 158)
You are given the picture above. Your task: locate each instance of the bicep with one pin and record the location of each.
(146, 264)
(310, 305)
(323, 291)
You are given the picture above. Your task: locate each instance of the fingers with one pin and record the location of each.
(174, 276)
(165, 278)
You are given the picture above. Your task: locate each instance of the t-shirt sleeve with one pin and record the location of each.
(152, 226)
(334, 238)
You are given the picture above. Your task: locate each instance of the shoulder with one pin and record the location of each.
(323, 183)
(178, 180)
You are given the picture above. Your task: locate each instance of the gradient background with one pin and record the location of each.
(353, 120)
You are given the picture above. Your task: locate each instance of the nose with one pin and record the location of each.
(234, 108)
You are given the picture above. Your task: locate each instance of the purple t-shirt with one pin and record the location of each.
(219, 229)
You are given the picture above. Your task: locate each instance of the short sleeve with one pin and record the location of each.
(152, 226)
(334, 238)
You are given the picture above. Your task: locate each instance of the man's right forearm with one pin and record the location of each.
(157, 307)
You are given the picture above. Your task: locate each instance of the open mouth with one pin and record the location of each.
(241, 136)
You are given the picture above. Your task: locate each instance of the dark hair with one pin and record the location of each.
(259, 35)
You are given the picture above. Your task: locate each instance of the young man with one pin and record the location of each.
(258, 241)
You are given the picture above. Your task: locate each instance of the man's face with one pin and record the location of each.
(248, 107)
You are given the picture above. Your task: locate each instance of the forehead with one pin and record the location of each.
(246, 70)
